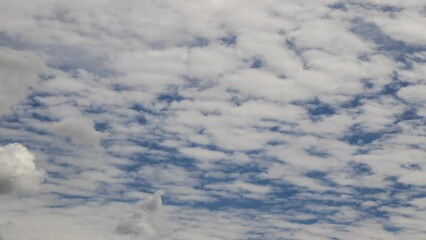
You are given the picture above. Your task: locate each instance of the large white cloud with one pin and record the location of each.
(18, 172)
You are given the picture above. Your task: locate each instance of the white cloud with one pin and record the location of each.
(147, 221)
(114, 60)
(80, 129)
(414, 93)
(406, 26)
(18, 172)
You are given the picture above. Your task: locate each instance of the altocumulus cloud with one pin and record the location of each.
(81, 130)
(18, 172)
(261, 119)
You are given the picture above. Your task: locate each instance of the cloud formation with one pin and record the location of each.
(261, 119)
(18, 172)
(80, 129)
(147, 220)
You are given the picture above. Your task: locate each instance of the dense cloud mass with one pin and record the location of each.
(18, 172)
(259, 119)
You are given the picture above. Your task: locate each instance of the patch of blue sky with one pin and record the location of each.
(392, 228)
(94, 110)
(33, 100)
(170, 97)
(37, 131)
(394, 86)
(139, 184)
(81, 198)
(344, 5)
(275, 142)
(291, 45)
(196, 42)
(141, 159)
(338, 5)
(251, 169)
(102, 126)
(360, 169)
(42, 117)
(317, 152)
(8, 140)
(410, 113)
(55, 175)
(226, 203)
(356, 135)
(195, 82)
(285, 191)
(316, 109)
(400, 51)
(6, 40)
(418, 193)
(256, 63)
(10, 118)
(143, 109)
(120, 87)
(320, 177)
(229, 40)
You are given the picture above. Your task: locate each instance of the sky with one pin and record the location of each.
(212, 119)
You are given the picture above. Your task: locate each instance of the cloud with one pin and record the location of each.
(80, 129)
(146, 221)
(19, 70)
(414, 94)
(18, 172)
(263, 119)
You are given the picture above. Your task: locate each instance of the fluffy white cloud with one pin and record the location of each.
(80, 129)
(147, 220)
(18, 172)
(414, 93)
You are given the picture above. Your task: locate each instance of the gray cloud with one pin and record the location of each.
(19, 70)
(146, 221)
(80, 129)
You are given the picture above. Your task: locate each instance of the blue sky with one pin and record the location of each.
(212, 119)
